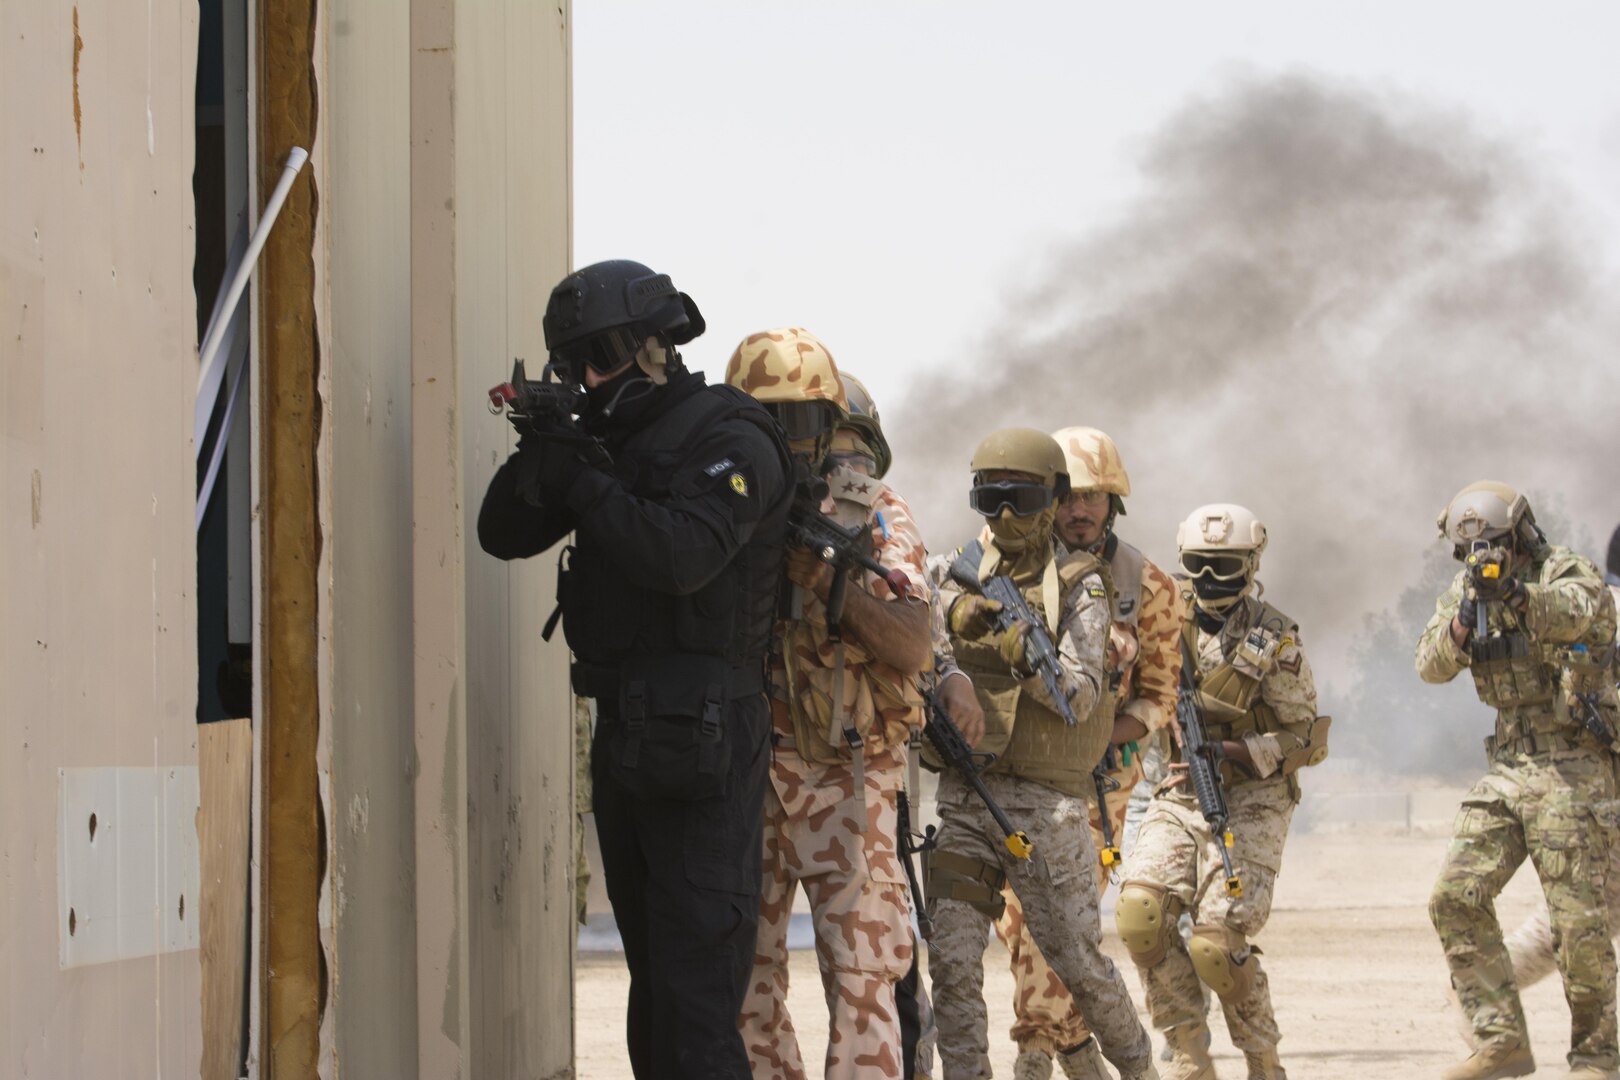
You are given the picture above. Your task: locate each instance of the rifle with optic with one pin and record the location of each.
(1203, 759)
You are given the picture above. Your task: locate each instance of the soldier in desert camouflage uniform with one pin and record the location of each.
(859, 444)
(1144, 664)
(1042, 770)
(842, 712)
(1530, 947)
(582, 805)
(1549, 794)
(1258, 702)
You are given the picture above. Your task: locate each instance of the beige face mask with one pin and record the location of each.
(1026, 542)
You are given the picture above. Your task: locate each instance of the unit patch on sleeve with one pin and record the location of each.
(718, 467)
(738, 484)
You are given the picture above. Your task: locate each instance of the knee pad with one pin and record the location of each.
(1145, 916)
(1224, 960)
(948, 876)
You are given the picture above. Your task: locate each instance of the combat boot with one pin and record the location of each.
(1032, 1065)
(1265, 1066)
(1084, 1062)
(1493, 1061)
(1189, 1052)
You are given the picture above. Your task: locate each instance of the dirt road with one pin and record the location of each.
(1356, 972)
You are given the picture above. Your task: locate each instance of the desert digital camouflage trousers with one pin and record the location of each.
(1058, 888)
(862, 913)
(1558, 809)
(1177, 852)
(1044, 1014)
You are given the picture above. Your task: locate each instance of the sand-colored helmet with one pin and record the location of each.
(793, 375)
(1024, 450)
(1094, 461)
(1219, 548)
(1489, 511)
(863, 417)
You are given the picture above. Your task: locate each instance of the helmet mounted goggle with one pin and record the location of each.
(603, 353)
(805, 419)
(1024, 498)
(1214, 565)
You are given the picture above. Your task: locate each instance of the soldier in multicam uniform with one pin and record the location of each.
(1258, 702)
(842, 709)
(1042, 770)
(1144, 664)
(1549, 793)
(1530, 947)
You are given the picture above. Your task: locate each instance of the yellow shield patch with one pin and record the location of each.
(738, 484)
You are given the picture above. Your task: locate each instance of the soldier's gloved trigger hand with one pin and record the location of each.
(973, 617)
(1013, 642)
(1468, 611)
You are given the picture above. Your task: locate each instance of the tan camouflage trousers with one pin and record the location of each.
(862, 912)
(1177, 852)
(1558, 810)
(1058, 889)
(582, 804)
(1045, 1017)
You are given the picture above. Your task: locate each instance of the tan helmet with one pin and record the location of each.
(863, 417)
(1485, 510)
(1219, 548)
(1024, 450)
(1094, 461)
(791, 373)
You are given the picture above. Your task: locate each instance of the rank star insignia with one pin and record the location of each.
(738, 484)
(864, 488)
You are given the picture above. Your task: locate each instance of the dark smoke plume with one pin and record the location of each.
(1332, 305)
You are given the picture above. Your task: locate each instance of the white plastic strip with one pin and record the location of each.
(207, 490)
(206, 375)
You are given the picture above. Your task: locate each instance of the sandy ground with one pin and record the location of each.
(1357, 975)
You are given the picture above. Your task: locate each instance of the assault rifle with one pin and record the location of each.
(955, 752)
(1106, 785)
(1203, 760)
(1041, 654)
(910, 844)
(1484, 573)
(545, 408)
(842, 548)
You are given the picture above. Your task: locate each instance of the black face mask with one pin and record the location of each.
(622, 398)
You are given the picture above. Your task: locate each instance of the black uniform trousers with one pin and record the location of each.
(684, 880)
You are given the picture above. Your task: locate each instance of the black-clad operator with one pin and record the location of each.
(667, 598)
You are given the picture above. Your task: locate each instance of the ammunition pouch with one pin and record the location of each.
(663, 721)
(1227, 693)
(949, 876)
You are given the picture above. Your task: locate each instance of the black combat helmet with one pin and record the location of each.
(601, 313)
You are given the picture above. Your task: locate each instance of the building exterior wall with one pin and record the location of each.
(98, 654)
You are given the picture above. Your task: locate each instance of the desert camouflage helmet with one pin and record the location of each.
(1024, 450)
(863, 417)
(787, 364)
(1094, 461)
(1484, 510)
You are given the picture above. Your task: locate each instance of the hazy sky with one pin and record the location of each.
(932, 187)
(888, 173)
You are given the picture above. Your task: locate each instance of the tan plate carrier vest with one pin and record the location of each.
(1029, 739)
(1229, 693)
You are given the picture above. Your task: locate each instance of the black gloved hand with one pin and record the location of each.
(1468, 611)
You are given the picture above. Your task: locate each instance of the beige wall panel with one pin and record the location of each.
(512, 210)
(366, 95)
(97, 565)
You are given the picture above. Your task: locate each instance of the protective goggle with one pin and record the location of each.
(603, 353)
(1214, 566)
(1020, 496)
(804, 419)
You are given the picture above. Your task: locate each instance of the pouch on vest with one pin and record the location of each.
(671, 741)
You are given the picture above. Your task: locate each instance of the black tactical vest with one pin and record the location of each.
(608, 618)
